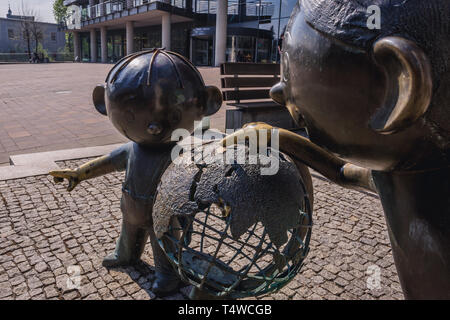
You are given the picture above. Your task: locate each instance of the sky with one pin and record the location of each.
(43, 7)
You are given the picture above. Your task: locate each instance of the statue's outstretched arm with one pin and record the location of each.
(89, 170)
(302, 149)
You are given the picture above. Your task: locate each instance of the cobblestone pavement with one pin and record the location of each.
(44, 231)
(46, 107)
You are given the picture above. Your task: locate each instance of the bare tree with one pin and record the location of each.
(26, 29)
(38, 35)
(32, 30)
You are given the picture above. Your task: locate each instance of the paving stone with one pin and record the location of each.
(71, 295)
(16, 280)
(41, 267)
(94, 296)
(119, 292)
(24, 296)
(35, 292)
(5, 290)
(51, 292)
(20, 289)
(87, 289)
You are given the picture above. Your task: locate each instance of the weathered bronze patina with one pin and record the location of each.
(378, 99)
(147, 96)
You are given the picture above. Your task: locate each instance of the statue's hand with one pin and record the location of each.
(71, 175)
(247, 130)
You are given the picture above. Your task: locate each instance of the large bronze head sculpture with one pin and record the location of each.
(375, 97)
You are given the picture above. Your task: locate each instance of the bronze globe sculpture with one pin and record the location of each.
(230, 231)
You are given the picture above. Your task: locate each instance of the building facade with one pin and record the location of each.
(13, 38)
(208, 32)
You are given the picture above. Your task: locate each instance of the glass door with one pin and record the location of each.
(117, 47)
(202, 51)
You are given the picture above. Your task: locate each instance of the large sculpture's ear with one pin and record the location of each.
(409, 84)
(213, 100)
(98, 96)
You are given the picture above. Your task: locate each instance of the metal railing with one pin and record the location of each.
(178, 3)
(260, 9)
(112, 6)
(253, 8)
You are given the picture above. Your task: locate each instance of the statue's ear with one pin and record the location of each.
(213, 100)
(409, 84)
(98, 96)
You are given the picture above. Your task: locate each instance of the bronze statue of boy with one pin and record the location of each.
(376, 103)
(147, 96)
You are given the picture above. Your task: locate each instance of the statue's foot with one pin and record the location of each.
(113, 261)
(165, 284)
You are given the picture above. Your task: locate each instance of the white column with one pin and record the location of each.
(166, 30)
(93, 45)
(221, 32)
(103, 44)
(130, 37)
(76, 46)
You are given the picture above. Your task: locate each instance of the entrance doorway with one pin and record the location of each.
(202, 51)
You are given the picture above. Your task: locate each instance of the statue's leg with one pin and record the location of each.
(167, 280)
(129, 247)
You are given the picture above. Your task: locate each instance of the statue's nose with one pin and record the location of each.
(154, 128)
(277, 93)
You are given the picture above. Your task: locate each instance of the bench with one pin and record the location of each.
(245, 88)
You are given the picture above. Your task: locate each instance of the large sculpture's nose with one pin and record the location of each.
(277, 93)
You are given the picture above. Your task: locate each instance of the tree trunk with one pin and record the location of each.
(29, 46)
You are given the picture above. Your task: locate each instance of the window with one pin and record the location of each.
(11, 34)
(53, 36)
